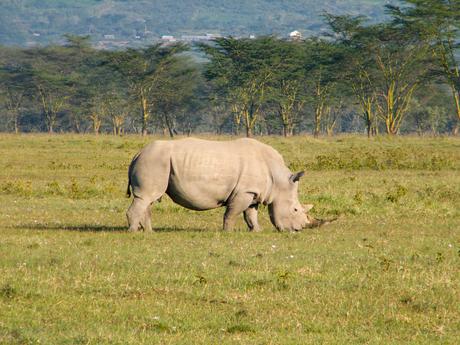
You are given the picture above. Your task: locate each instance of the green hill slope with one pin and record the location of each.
(42, 21)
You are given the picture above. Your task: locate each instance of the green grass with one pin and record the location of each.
(387, 272)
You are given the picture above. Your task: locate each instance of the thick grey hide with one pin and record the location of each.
(202, 175)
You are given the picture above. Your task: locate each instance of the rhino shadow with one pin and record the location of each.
(99, 228)
(81, 227)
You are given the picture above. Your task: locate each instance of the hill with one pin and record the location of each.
(29, 22)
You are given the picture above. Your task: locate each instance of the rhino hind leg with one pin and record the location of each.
(139, 214)
(236, 206)
(146, 223)
(250, 217)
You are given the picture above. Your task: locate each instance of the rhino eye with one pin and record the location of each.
(296, 210)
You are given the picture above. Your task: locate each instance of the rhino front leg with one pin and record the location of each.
(250, 216)
(236, 206)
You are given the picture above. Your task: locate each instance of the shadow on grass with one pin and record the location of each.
(99, 228)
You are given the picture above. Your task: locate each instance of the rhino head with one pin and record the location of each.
(286, 212)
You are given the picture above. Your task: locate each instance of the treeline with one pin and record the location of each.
(400, 76)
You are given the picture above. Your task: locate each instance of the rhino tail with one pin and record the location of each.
(128, 190)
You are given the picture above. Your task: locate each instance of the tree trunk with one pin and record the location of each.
(117, 129)
(171, 132)
(391, 127)
(371, 130)
(169, 125)
(317, 129)
(16, 124)
(248, 123)
(248, 132)
(456, 129)
(457, 103)
(288, 129)
(145, 114)
(117, 124)
(368, 117)
(96, 126)
(285, 130)
(318, 115)
(49, 120)
(375, 130)
(77, 126)
(330, 127)
(319, 108)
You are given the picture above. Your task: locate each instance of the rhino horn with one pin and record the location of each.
(316, 223)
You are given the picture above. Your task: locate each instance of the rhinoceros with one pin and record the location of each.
(202, 175)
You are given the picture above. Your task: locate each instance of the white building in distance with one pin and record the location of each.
(295, 35)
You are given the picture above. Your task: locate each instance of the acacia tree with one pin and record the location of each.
(52, 86)
(361, 86)
(144, 71)
(242, 70)
(438, 23)
(177, 93)
(388, 63)
(58, 78)
(290, 103)
(322, 70)
(107, 97)
(114, 108)
(96, 115)
(288, 91)
(321, 94)
(15, 83)
(219, 112)
(332, 115)
(249, 99)
(110, 106)
(359, 70)
(399, 59)
(87, 82)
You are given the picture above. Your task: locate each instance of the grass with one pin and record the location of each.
(387, 272)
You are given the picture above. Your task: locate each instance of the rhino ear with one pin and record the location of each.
(296, 177)
(307, 207)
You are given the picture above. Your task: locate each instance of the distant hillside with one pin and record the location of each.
(28, 22)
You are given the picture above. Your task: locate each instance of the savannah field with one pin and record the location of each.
(386, 272)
